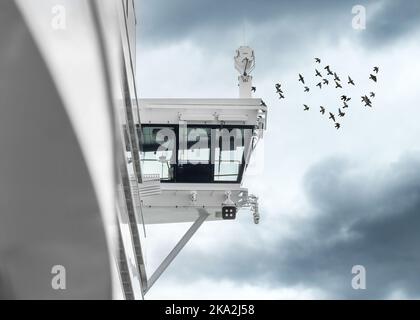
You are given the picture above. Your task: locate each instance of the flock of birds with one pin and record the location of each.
(325, 81)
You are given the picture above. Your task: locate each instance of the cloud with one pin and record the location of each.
(357, 218)
(179, 19)
(394, 19)
(228, 290)
(275, 22)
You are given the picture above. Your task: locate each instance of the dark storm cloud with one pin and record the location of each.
(397, 18)
(178, 19)
(358, 219)
(208, 21)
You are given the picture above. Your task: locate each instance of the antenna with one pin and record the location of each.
(245, 64)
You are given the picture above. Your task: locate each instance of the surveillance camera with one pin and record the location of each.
(229, 212)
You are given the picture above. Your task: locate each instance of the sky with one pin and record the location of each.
(329, 199)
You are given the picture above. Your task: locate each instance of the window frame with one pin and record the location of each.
(199, 126)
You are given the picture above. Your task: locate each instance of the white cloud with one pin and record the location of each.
(227, 290)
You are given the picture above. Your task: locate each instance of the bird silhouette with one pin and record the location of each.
(343, 98)
(306, 107)
(365, 98)
(253, 89)
(306, 89)
(350, 81)
(278, 90)
(367, 101)
(322, 110)
(332, 117)
(319, 85)
(317, 60)
(281, 96)
(372, 94)
(337, 85)
(317, 73)
(376, 69)
(263, 104)
(301, 79)
(336, 78)
(337, 125)
(345, 105)
(328, 70)
(325, 81)
(373, 77)
(341, 113)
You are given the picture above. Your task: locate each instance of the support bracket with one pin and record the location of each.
(203, 215)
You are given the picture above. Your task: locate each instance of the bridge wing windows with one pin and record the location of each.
(228, 154)
(157, 145)
(194, 154)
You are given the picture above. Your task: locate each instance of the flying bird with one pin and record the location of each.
(365, 98)
(319, 85)
(301, 79)
(253, 89)
(344, 98)
(317, 73)
(337, 126)
(337, 85)
(332, 117)
(350, 81)
(345, 105)
(306, 89)
(372, 94)
(328, 70)
(325, 81)
(306, 107)
(373, 77)
(322, 110)
(278, 90)
(376, 69)
(336, 78)
(263, 104)
(367, 101)
(317, 60)
(281, 96)
(341, 113)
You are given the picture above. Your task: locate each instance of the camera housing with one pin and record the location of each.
(229, 212)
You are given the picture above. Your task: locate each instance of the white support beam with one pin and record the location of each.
(177, 249)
